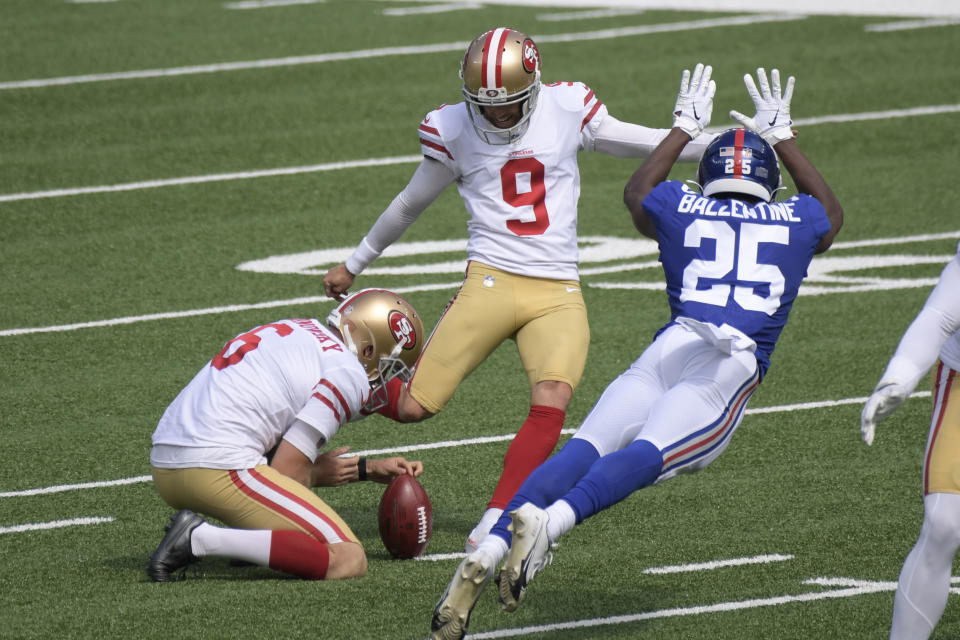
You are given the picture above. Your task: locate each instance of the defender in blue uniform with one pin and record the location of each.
(733, 260)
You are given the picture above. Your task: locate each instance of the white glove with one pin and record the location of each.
(695, 100)
(884, 400)
(772, 120)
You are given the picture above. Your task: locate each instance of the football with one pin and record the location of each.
(405, 517)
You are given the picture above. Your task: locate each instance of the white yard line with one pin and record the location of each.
(215, 177)
(849, 589)
(75, 487)
(267, 4)
(56, 524)
(909, 25)
(718, 564)
(431, 8)
(443, 444)
(411, 159)
(587, 15)
(930, 8)
(292, 302)
(602, 34)
(932, 110)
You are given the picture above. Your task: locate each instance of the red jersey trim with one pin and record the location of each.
(339, 396)
(438, 147)
(590, 115)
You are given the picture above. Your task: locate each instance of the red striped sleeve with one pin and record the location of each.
(339, 396)
(590, 115)
(325, 400)
(438, 147)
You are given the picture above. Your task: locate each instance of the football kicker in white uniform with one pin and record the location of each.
(511, 146)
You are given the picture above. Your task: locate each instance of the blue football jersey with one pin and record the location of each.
(726, 261)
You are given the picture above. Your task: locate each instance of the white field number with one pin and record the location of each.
(836, 271)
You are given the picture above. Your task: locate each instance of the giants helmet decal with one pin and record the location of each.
(384, 332)
(739, 161)
(500, 67)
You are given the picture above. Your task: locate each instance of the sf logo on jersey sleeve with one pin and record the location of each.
(402, 329)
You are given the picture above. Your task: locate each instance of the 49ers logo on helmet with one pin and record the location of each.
(531, 56)
(402, 329)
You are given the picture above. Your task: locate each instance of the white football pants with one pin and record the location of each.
(684, 394)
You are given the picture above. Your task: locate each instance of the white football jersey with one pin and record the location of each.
(521, 197)
(242, 402)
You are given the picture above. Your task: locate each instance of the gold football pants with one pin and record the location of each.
(547, 319)
(258, 498)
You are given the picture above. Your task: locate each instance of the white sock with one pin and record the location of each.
(490, 517)
(250, 545)
(479, 533)
(562, 519)
(495, 547)
(925, 577)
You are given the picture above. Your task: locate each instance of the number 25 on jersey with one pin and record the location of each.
(730, 263)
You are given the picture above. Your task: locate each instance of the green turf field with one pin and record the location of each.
(149, 148)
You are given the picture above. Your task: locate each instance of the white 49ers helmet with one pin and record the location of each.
(384, 331)
(501, 67)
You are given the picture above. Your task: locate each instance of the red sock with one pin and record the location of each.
(532, 445)
(300, 554)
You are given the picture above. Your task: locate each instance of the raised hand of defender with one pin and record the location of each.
(695, 100)
(772, 120)
(884, 400)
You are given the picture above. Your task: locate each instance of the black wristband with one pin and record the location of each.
(362, 468)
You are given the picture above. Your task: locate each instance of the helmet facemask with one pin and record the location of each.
(491, 133)
(388, 367)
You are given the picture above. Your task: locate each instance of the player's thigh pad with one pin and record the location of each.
(694, 421)
(555, 334)
(258, 498)
(621, 412)
(942, 460)
(682, 394)
(481, 316)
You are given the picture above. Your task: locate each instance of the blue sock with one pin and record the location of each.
(614, 477)
(550, 480)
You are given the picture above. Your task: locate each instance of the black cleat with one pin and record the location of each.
(174, 551)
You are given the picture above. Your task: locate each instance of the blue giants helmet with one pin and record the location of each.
(739, 161)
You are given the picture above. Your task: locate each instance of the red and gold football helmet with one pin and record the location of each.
(501, 67)
(385, 332)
